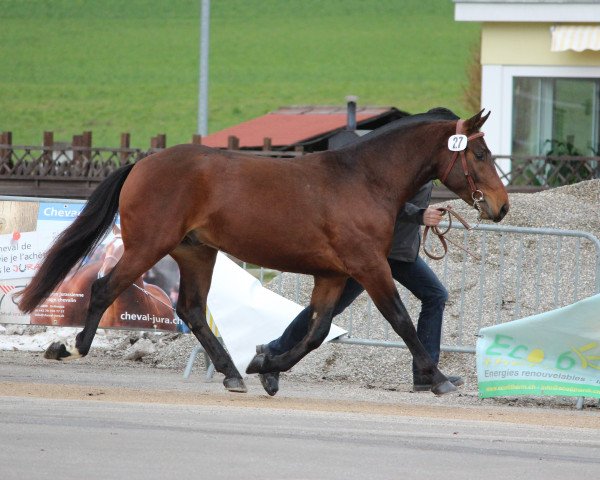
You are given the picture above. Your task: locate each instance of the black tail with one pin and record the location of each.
(77, 241)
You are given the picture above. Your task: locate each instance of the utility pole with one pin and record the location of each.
(203, 77)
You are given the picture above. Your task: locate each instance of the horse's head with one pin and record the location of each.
(469, 170)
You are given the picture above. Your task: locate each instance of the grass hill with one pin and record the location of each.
(111, 66)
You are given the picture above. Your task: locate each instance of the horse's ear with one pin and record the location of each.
(474, 123)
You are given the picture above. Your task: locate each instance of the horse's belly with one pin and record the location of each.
(289, 256)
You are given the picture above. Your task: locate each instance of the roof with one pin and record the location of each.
(290, 126)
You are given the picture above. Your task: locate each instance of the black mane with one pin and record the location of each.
(434, 115)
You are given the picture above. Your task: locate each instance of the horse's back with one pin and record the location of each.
(279, 213)
(195, 183)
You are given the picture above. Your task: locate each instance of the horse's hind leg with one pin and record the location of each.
(380, 286)
(105, 291)
(196, 263)
(325, 296)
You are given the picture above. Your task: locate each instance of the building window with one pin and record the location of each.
(558, 116)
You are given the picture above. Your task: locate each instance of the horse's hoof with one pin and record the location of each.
(444, 388)
(56, 351)
(235, 384)
(270, 382)
(256, 364)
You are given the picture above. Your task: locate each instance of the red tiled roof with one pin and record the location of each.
(288, 126)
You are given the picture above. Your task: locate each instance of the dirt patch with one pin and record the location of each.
(100, 378)
(115, 394)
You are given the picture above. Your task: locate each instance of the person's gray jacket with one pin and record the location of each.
(407, 230)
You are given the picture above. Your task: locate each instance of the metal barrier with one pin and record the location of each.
(522, 272)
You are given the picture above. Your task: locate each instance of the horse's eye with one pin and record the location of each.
(479, 155)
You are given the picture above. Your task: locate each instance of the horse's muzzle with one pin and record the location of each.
(501, 213)
(489, 213)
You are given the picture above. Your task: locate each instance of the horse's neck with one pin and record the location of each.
(401, 162)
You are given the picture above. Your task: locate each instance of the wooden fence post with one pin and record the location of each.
(267, 145)
(161, 140)
(47, 156)
(76, 145)
(86, 140)
(87, 143)
(233, 143)
(125, 142)
(197, 139)
(6, 153)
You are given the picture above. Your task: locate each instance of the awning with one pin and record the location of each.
(575, 37)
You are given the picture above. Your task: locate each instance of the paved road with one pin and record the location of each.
(75, 439)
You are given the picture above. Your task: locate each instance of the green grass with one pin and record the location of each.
(113, 66)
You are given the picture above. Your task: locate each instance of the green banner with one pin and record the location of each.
(553, 353)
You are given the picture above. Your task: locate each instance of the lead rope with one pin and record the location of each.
(476, 195)
(441, 234)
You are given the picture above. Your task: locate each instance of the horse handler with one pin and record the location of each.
(410, 270)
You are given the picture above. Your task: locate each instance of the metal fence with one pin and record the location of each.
(522, 272)
(546, 171)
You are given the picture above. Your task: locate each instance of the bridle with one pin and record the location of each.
(476, 194)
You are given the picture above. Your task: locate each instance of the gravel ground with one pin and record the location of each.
(573, 207)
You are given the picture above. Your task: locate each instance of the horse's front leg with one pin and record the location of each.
(325, 295)
(379, 284)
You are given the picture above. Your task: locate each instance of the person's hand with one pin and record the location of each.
(432, 216)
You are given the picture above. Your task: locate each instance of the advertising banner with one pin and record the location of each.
(554, 353)
(29, 229)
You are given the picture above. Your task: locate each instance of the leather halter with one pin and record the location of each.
(463, 160)
(476, 195)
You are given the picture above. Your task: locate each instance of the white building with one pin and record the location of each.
(540, 73)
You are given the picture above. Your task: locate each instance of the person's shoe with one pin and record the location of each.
(269, 381)
(421, 385)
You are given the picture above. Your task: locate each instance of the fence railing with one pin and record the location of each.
(74, 170)
(546, 171)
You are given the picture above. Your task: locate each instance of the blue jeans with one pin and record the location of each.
(417, 277)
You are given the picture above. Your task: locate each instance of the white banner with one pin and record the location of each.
(246, 313)
(553, 353)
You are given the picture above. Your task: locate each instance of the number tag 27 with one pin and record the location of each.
(457, 143)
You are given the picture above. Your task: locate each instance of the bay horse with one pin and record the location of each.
(328, 214)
